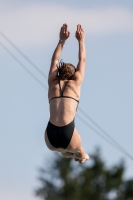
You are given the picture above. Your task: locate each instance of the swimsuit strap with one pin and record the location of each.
(64, 97)
(62, 90)
(70, 98)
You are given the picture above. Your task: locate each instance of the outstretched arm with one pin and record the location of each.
(64, 34)
(82, 52)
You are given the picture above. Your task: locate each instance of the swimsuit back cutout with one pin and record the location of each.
(61, 92)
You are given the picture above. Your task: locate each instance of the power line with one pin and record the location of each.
(111, 142)
(108, 138)
(21, 64)
(104, 132)
(22, 54)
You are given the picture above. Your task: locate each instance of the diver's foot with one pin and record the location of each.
(84, 159)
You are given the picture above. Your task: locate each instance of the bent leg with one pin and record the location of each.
(68, 155)
(48, 143)
(75, 147)
(79, 155)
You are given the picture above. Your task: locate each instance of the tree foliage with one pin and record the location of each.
(66, 180)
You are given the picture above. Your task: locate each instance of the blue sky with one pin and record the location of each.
(106, 93)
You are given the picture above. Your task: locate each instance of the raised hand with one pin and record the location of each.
(64, 33)
(80, 35)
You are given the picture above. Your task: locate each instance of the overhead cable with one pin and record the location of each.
(22, 54)
(107, 139)
(21, 64)
(106, 136)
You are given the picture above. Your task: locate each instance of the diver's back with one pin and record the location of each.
(63, 99)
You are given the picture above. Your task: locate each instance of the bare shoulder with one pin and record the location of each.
(78, 77)
(52, 77)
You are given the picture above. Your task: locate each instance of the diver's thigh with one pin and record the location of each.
(48, 142)
(75, 142)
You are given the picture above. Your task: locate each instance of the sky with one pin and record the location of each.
(106, 93)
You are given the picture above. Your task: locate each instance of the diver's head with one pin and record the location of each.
(65, 70)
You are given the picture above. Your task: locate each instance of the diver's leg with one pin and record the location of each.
(48, 142)
(75, 147)
(80, 155)
(68, 155)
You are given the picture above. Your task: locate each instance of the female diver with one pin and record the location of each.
(64, 82)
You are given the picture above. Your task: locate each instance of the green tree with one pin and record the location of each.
(66, 180)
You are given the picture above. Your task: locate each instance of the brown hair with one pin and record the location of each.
(65, 70)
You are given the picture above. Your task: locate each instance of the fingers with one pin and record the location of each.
(79, 28)
(64, 32)
(64, 28)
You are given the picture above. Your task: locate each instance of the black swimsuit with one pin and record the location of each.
(61, 93)
(60, 137)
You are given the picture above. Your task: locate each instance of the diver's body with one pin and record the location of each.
(64, 93)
